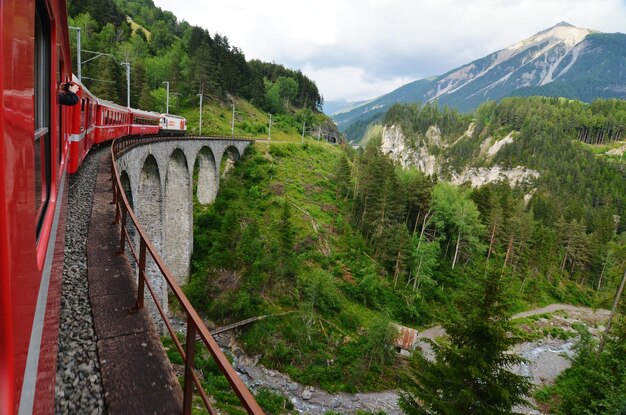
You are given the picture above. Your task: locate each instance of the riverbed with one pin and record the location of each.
(546, 359)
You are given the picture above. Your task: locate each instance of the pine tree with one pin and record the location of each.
(471, 373)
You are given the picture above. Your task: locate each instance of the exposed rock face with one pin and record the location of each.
(492, 150)
(394, 144)
(480, 176)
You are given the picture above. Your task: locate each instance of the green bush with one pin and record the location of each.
(271, 402)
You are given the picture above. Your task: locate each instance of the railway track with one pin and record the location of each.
(78, 387)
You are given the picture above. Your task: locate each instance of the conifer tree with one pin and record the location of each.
(471, 373)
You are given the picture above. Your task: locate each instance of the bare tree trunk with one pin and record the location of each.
(397, 269)
(416, 280)
(565, 256)
(509, 249)
(417, 218)
(615, 302)
(602, 273)
(456, 250)
(493, 237)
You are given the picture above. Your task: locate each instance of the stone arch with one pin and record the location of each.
(125, 180)
(177, 236)
(208, 180)
(130, 226)
(150, 200)
(149, 211)
(230, 156)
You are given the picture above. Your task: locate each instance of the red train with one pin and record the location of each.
(40, 142)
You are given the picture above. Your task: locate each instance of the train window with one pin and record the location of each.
(42, 91)
(59, 108)
(82, 114)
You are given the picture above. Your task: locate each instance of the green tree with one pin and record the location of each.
(342, 177)
(470, 373)
(287, 235)
(458, 217)
(424, 260)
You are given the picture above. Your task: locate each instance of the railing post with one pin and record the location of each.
(122, 229)
(142, 273)
(189, 365)
(114, 189)
(117, 213)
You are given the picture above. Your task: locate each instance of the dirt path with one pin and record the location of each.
(565, 307)
(438, 331)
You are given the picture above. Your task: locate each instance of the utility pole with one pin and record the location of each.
(269, 130)
(167, 99)
(78, 65)
(200, 95)
(303, 124)
(127, 64)
(232, 122)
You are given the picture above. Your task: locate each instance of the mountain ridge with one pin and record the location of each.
(563, 60)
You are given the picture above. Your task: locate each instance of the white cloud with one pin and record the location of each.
(351, 83)
(355, 47)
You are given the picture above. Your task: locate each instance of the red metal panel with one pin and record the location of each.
(21, 256)
(18, 257)
(7, 390)
(46, 376)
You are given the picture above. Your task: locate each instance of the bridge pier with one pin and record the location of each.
(159, 179)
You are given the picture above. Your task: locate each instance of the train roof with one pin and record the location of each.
(180, 117)
(83, 87)
(112, 105)
(149, 114)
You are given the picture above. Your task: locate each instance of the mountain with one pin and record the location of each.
(563, 60)
(339, 106)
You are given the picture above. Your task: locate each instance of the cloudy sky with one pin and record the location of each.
(360, 49)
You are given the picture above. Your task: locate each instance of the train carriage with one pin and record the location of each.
(82, 124)
(112, 121)
(144, 122)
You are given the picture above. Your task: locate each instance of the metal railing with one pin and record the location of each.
(195, 326)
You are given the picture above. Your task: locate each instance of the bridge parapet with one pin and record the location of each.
(151, 173)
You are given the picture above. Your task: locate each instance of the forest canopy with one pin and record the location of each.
(160, 48)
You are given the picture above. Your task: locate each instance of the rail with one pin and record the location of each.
(195, 326)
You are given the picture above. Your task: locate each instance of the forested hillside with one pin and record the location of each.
(161, 48)
(338, 244)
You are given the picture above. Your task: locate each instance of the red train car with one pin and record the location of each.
(112, 121)
(34, 139)
(82, 123)
(40, 142)
(144, 122)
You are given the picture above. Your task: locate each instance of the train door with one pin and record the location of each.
(43, 159)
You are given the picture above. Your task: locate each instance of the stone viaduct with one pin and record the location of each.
(158, 179)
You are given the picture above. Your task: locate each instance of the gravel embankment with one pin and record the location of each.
(78, 386)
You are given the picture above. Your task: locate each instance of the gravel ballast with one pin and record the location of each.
(78, 386)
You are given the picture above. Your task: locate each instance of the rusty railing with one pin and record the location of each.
(195, 326)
